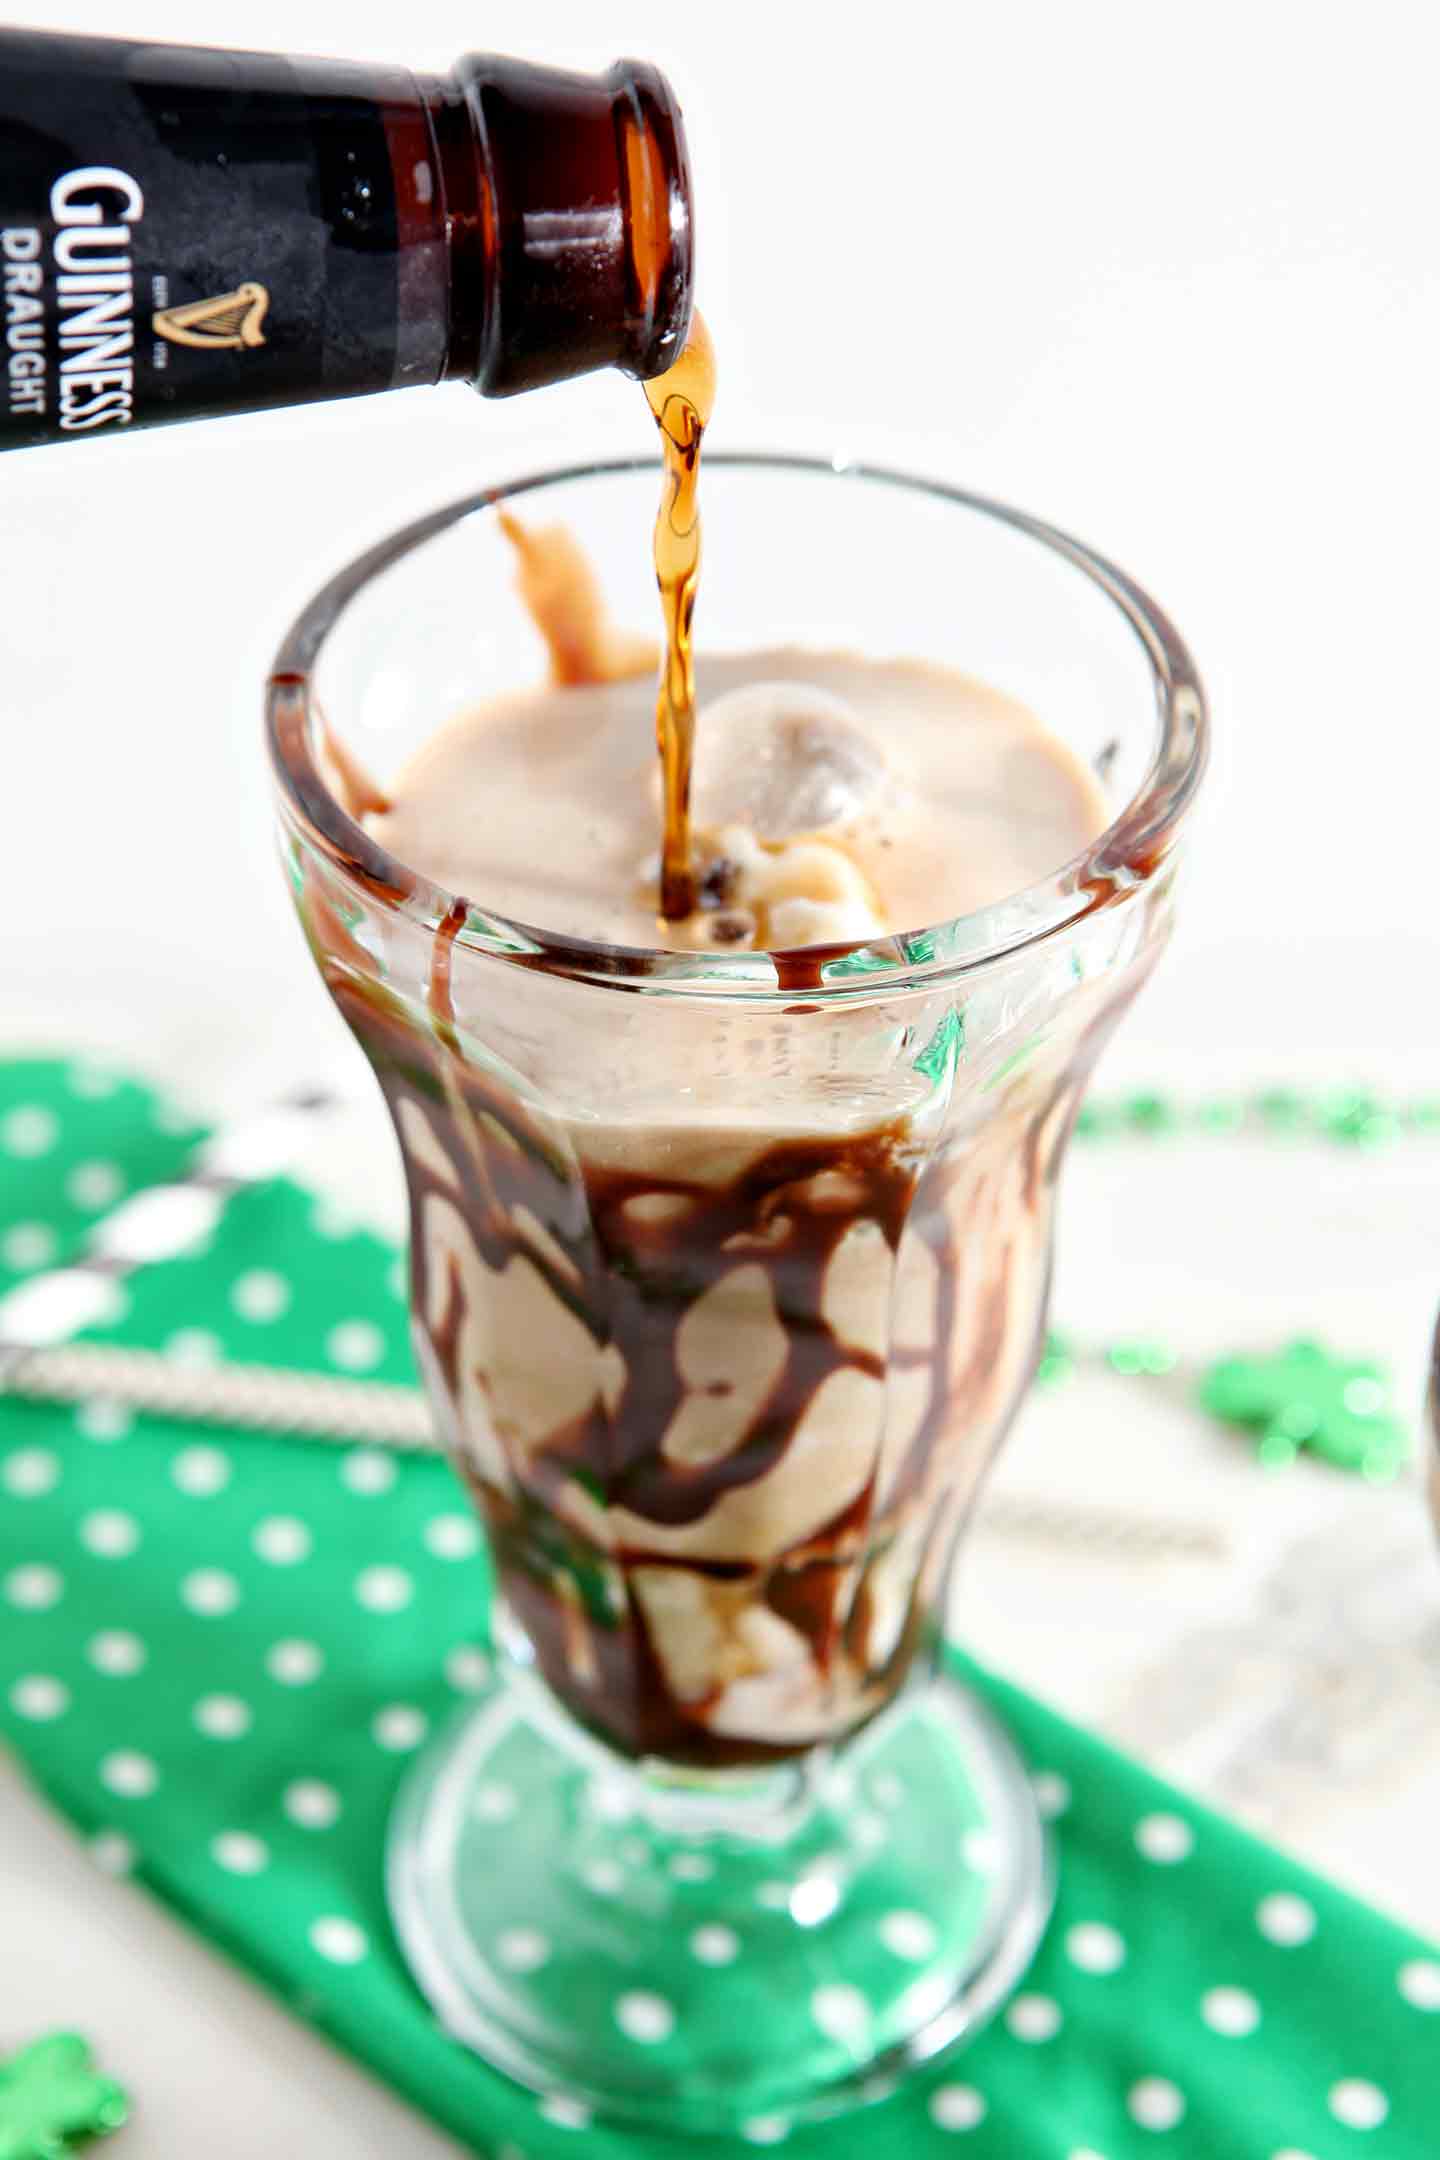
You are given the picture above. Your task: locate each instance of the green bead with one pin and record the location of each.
(1358, 1119)
(1091, 1121)
(1220, 1116)
(1149, 1113)
(1141, 1357)
(1057, 1362)
(1281, 1109)
(1423, 1116)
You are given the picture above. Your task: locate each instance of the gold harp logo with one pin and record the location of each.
(230, 322)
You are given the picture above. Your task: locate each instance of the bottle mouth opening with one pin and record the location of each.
(659, 218)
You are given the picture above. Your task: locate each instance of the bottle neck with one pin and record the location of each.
(186, 232)
(565, 209)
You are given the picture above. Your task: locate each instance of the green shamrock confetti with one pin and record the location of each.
(1305, 1397)
(52, 2096)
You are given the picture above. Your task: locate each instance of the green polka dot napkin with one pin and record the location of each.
(219, 1650)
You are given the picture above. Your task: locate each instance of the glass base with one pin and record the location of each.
(705, 1954)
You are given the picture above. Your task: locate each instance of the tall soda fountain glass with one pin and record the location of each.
(726, 1285)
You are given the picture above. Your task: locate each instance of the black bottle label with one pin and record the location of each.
(185, 232)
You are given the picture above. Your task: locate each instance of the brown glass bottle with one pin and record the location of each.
(186, 231)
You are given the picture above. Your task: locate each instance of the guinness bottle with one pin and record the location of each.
(186, 232)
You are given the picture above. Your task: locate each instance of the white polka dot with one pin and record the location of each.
(339, 1940)
(1155, 2104)
(223, 1717)
(201, 1471)
(957, 2107)
(384, 1589)
(765, 2130)
(1095, 1948)
(1358, 2104)
(1052, 1792)
(210, 1591)
(644, 2017)
(565, 2113)
(1419, 1983)
(1292, 2152)
(468, 1670)
(981, 1851)
(260, 1295)
(29, 1131)
(39, 1696)
(1164, 1839)
(1232, 2011)
(397, 1281)
(355, 1346)
(195, 1348)
(908, 1935)
(311, 1803)
(1034, 2017)
(103, 1420)
(239, 1853)
(1084, 2152)
(399, 1726)
(92, 1083)
(282, 1540)
(604, 1877)
(116, 1652)
(840, 2011)
(494, 1803)
(329, 1220)
(35, 1587)
(715, 1944)
(109, 1533)
(94, 1185)
(815, 1896)
(28, 1245)
(294, 1663)
(886, 1789)
(368, 1470)
(452, 1537)
(129, 1773)
(690, 1867)
(522, 1949)
(1286, 1919)
(30, 1472)
(608, 1800)
(113, 1851)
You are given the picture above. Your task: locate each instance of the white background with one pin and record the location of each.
(1169, 276)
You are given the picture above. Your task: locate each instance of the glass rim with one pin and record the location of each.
(1126, 856)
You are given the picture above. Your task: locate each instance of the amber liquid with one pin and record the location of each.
(681, 400)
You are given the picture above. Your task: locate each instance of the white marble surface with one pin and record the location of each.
(1169, 279)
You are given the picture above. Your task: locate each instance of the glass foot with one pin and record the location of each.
(699, 1955)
